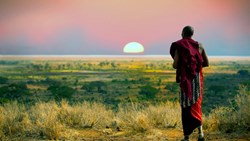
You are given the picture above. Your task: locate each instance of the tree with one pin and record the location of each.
(14, 91)
(87, 87)
(144, 80)
(217, 88)
(99, 86)
(47, 66)
(50, 81)
(159, 82)
(148, 92)
(243, 72)
(3, 80)
(172, 87)
(64, 78)
(113, 65)
(61, 92)
(76, 82)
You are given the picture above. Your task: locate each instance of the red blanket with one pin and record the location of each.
(190, 63)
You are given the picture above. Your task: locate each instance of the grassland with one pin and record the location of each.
(108, 98)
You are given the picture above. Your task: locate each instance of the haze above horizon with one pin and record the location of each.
(59, 27)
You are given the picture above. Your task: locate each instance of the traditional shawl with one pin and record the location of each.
(189, 75)
(189, 64)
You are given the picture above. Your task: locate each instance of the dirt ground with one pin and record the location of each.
(151, 135)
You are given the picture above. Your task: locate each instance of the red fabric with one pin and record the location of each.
(196, 111)
(190, 62)
(189, 122)
(192, 116)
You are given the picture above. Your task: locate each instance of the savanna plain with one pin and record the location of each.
(117, 98)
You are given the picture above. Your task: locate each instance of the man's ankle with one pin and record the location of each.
(201, 134)
(186, 137)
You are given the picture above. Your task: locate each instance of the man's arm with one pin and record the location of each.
(176, 59)
(204, 56)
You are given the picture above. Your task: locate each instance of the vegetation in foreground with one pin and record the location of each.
(60, 120)
(115, 99)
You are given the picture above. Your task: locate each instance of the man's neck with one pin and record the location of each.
(186, 37)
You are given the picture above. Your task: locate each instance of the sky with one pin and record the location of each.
(104, 27)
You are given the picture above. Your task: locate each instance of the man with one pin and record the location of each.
(189, 58)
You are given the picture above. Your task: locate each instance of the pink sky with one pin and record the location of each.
(105, 26)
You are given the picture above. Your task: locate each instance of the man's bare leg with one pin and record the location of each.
(201, 134)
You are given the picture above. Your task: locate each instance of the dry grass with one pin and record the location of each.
(166, 115)
(85, 115)
(141, 119)
(13, 120)
(45, 120)
(58, 120)
(231, 119)
(51, 120)
(133, 117)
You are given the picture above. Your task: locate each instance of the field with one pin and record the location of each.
(116, 98)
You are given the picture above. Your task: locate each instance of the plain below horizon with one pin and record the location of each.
(117, 56)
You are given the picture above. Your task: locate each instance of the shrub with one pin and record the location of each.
(166, 115)
(61, 92)
(231, 119)
(148, 92)
(14, 120)
(85, 115)
(14, 91)
(3, 80)
(172, 87)
(45, 119)
(133, 117)
(54, 121)
(243, 72)
(140, 118)
(98, 86)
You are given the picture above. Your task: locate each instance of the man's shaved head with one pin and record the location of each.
(187, 31)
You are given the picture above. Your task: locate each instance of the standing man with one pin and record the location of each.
(189, 58)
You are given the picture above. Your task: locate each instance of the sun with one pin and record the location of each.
(133, 47)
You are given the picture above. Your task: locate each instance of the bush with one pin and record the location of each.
(217, 89)
(45, 120)
(231, 119)
(14, 91)
(3, 80)
(172, 87)
(141, 119)
(133, 118)
(165, 115)
(148, 92)
(85, 115)
(13, 120)
(243, 72)
(56, 121)
(98, 86)
(61, 92)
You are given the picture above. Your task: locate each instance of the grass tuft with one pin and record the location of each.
(54, 121)
(231, 119)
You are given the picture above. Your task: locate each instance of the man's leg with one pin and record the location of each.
(201, 134)
(186, 123)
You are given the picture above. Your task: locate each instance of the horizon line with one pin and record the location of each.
(123, 55)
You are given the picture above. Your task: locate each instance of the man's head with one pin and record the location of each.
(187, 31)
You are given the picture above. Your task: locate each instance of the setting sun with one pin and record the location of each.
(133, 47)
